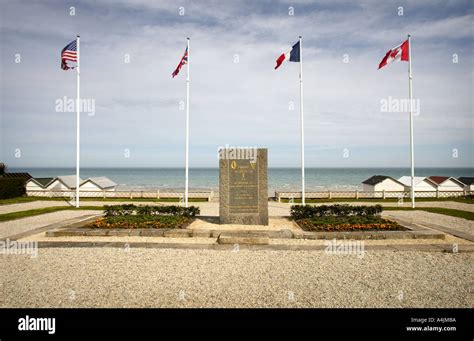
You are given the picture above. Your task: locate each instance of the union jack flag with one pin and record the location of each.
(69, 53)
(183, 61)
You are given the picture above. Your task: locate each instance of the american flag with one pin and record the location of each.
(69, 53)
(183, 61)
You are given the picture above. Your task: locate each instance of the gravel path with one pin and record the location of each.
(422, 217)
(13, 227)
(97, 277)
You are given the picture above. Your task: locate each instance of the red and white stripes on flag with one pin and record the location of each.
(399, 52)
(69, 52)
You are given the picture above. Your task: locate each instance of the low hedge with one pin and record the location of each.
(133, 210)
(12, 188)
(309, 212)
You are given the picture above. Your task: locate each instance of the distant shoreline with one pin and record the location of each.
(275, 167)
(279, 178)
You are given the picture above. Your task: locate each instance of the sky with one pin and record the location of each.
(130, 48)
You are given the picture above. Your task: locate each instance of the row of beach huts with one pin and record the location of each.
(378, 183)
(63, 185)
(383, 186)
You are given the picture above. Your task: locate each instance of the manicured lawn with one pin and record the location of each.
(439, 210)
(38, 211)
(21, 200)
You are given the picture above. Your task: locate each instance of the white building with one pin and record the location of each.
(63, 182)
(65, 186)
(97, 184)
(62, 186)
(380, 183)
(37, 185)
(422, 184)
(447, 184)
(468, 183)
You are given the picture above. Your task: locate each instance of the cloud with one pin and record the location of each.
(236, 95)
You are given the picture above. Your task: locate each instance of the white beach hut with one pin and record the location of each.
(447, 184)
(468, 183)
(63, 186)
(97, 184)
(378, 183)
(37, 186)
(422, 184)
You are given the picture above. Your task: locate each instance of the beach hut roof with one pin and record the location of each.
(406, 180)
(440, 179)
(101, 181)
(68, 180)
(466, 180)
(42, 182)
(373, 180)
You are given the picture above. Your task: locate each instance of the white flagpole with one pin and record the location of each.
(187, 129)
(412, 152)
(302, 123)
(78, 120)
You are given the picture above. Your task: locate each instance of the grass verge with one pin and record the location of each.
(38, 211)
(446, 211)
(22, 200)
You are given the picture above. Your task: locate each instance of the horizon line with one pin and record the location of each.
(216, 167)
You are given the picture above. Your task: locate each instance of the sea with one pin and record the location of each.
(279, 179)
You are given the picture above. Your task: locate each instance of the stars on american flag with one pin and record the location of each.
(69, 53)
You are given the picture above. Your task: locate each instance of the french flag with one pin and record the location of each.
(293, 55)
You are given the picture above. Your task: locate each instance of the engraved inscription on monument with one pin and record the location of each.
(243, 186)
(243, 193)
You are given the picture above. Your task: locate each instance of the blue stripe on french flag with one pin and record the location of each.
(292, 56)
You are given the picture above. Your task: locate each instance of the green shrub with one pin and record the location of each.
(12, 188)
(130, 210)
(308, 212)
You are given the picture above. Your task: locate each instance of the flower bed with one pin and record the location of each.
(135, 222)
(134, 217)
(342, 218)
(348, 224)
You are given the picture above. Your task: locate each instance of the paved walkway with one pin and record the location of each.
(457, 226)
(212, 208)
(446, 224)
(31, 206)
(17, 226)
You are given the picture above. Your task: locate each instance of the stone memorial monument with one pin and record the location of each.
(243, 187)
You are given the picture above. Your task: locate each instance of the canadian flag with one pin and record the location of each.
(397, 53)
